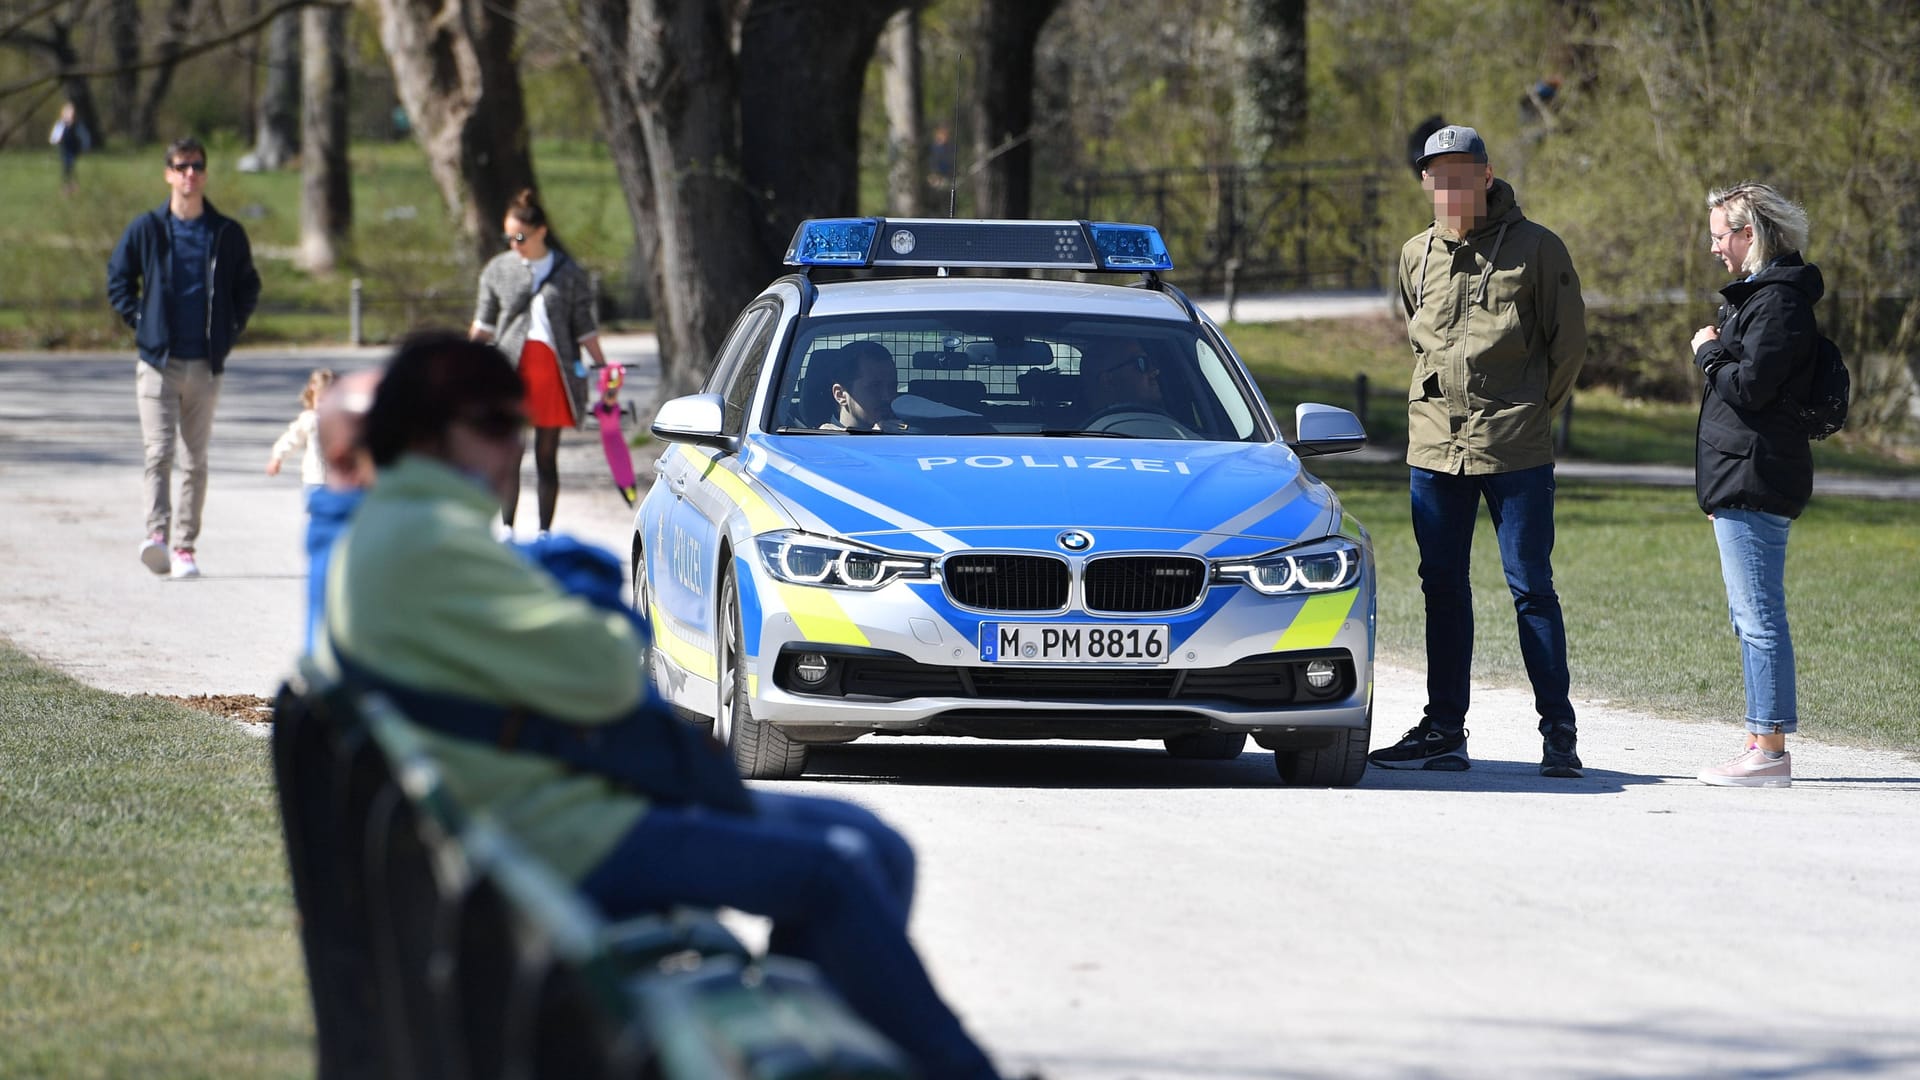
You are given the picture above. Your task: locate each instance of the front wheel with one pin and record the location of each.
(1340, 763)
(1207, 745)
(760, 750)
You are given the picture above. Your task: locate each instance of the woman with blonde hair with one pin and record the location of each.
(536, 304)
(1753, 470)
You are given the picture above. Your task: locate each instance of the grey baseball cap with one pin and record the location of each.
(1453, 139)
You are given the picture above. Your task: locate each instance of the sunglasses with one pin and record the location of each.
(500, 423)
(514, 237)
(188, 166)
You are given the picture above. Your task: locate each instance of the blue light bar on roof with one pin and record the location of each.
(833, 242)
(1111, 247)
(1129, 247)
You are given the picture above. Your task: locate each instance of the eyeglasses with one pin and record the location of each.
(1141, 361)
(514, 237)
(501, 423)
(1719, 236)
(188, 166)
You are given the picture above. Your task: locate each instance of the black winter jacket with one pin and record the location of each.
(138, 282)
(1751, 452)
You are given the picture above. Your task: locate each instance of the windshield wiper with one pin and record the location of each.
(1078, 433)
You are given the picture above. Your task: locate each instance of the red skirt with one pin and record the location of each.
(548, 403)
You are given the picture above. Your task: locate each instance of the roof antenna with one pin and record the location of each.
(953, 188)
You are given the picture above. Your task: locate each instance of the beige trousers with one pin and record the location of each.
(178, 400)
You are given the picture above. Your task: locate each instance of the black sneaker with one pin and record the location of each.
(1425, 747)
(1558, 756)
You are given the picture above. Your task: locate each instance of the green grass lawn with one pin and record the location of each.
(1639, 578)
(146, 922)
(405, 248)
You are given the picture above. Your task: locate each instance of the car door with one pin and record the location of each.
(684, 559)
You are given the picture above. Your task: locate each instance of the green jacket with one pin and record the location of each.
(1499, 332)
(421, 593)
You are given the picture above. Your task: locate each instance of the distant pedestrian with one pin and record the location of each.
(1753, 469)
(339, 432)
(299, 436)
(73, 139)
(182, 278)
(537, 304)
(1499, 332)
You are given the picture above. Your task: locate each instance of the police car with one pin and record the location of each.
(1000, 507)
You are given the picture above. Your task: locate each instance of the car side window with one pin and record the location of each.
(746, 377)
(734, 347)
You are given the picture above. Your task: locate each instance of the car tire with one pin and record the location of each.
(637, 596)
(1207, 745)
(760, 750)
(1340, 763)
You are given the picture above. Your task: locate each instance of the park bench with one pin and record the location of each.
(436, 947)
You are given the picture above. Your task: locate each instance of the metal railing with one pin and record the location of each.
(1230, 227)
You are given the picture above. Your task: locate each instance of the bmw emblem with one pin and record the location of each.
(902, 242)
(1074, 540)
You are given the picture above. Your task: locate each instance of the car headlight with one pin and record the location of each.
(1322, 566)
(801, 559)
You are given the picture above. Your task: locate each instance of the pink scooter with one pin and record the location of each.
(613, 440)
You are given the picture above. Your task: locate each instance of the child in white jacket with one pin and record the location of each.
(299, 436)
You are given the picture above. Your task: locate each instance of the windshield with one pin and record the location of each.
(1005, 373)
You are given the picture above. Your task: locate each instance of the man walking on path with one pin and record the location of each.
(182, 278)
(1499, 332)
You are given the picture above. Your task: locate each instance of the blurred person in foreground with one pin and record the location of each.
(503, 657)
(1753, 468)
(1499, 332)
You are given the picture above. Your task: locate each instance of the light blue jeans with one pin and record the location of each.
(1753, 560)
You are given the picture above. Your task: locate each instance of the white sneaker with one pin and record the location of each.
(1752, 769)
(183, 564)
(153, 553)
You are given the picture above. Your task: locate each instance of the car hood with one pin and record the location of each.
(950, 492)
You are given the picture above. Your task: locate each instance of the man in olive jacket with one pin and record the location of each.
(1498, 331)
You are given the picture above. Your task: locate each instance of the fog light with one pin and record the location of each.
(812, 668)
(1320, 674)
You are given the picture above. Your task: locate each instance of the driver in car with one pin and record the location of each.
(1117, 372)
(865, 390)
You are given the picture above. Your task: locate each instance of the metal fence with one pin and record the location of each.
(1297, 226)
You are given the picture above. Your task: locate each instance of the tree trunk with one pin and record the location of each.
(801, 121)
(719, 154)
(57, 45)
(454, 70)
(277, 127)
(1275, 46)
(687, 94)
(605, 46)
(906, 139)
(1003, 106)
(326, 192)
(145, 121)
(123, 34)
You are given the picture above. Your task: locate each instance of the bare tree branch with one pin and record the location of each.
(13, 29)
(186, 52)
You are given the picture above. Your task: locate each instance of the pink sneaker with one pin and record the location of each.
(153, 553)
(183, 564)
(1752, 769)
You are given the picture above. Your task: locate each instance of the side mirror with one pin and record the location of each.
(694, 419)
(1324, 429)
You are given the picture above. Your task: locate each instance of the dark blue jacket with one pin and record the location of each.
(138, 281)
(1752, 453)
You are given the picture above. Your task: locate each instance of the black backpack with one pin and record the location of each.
(1830, 389)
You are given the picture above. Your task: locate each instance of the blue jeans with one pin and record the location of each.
(1520, 503)
(837, 883)
(1753, 560)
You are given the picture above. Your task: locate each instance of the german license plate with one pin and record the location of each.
(1072, 643)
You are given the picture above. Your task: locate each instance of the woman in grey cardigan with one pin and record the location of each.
(537, 305)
